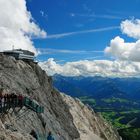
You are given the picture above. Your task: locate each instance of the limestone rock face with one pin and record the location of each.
(67, 118)
(6, 134)
(90, 125)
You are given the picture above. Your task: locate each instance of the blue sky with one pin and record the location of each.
(79, 29)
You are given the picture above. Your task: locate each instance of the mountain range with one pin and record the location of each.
(99, 87)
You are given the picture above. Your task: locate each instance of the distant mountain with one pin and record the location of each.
(65, 85)
(99, 87)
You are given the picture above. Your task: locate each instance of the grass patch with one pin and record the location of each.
(88, 100)
(113, 100)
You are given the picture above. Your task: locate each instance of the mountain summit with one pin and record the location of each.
(65, 117)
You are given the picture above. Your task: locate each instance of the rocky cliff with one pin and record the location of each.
(66, 117)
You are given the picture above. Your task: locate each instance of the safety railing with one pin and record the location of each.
(6, 103)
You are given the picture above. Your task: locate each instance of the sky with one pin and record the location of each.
(73, 26)
(75, 37)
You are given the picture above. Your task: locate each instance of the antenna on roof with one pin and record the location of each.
(12, 47)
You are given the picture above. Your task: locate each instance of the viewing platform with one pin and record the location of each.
(20, 54)
(13, 101)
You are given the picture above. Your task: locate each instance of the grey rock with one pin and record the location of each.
(28, 79)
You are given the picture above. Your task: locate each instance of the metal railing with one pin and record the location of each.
(7, 103)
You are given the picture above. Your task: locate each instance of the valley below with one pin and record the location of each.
(122, 113)
(116, 99)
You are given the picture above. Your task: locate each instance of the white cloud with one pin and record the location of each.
(93, 15)
(63, 51)
(81, 32)
(122, 50)
(17, 26)
(126, 55)
(131, 28)
(92, 68)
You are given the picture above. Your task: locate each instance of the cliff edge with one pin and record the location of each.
(67, 118)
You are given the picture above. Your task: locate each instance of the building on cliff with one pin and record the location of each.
(20, 54)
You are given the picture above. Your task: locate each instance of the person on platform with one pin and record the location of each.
(50, 136)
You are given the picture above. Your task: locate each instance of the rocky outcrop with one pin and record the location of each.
(90, 125)
(6, 134)
(62, 114)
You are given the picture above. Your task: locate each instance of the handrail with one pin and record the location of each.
(13, 102)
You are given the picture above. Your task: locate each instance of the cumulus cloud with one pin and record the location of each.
(124, 51)
(131, 28)
(17, 26)
(92, 68)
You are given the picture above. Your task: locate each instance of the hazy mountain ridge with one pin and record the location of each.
(94, 86)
